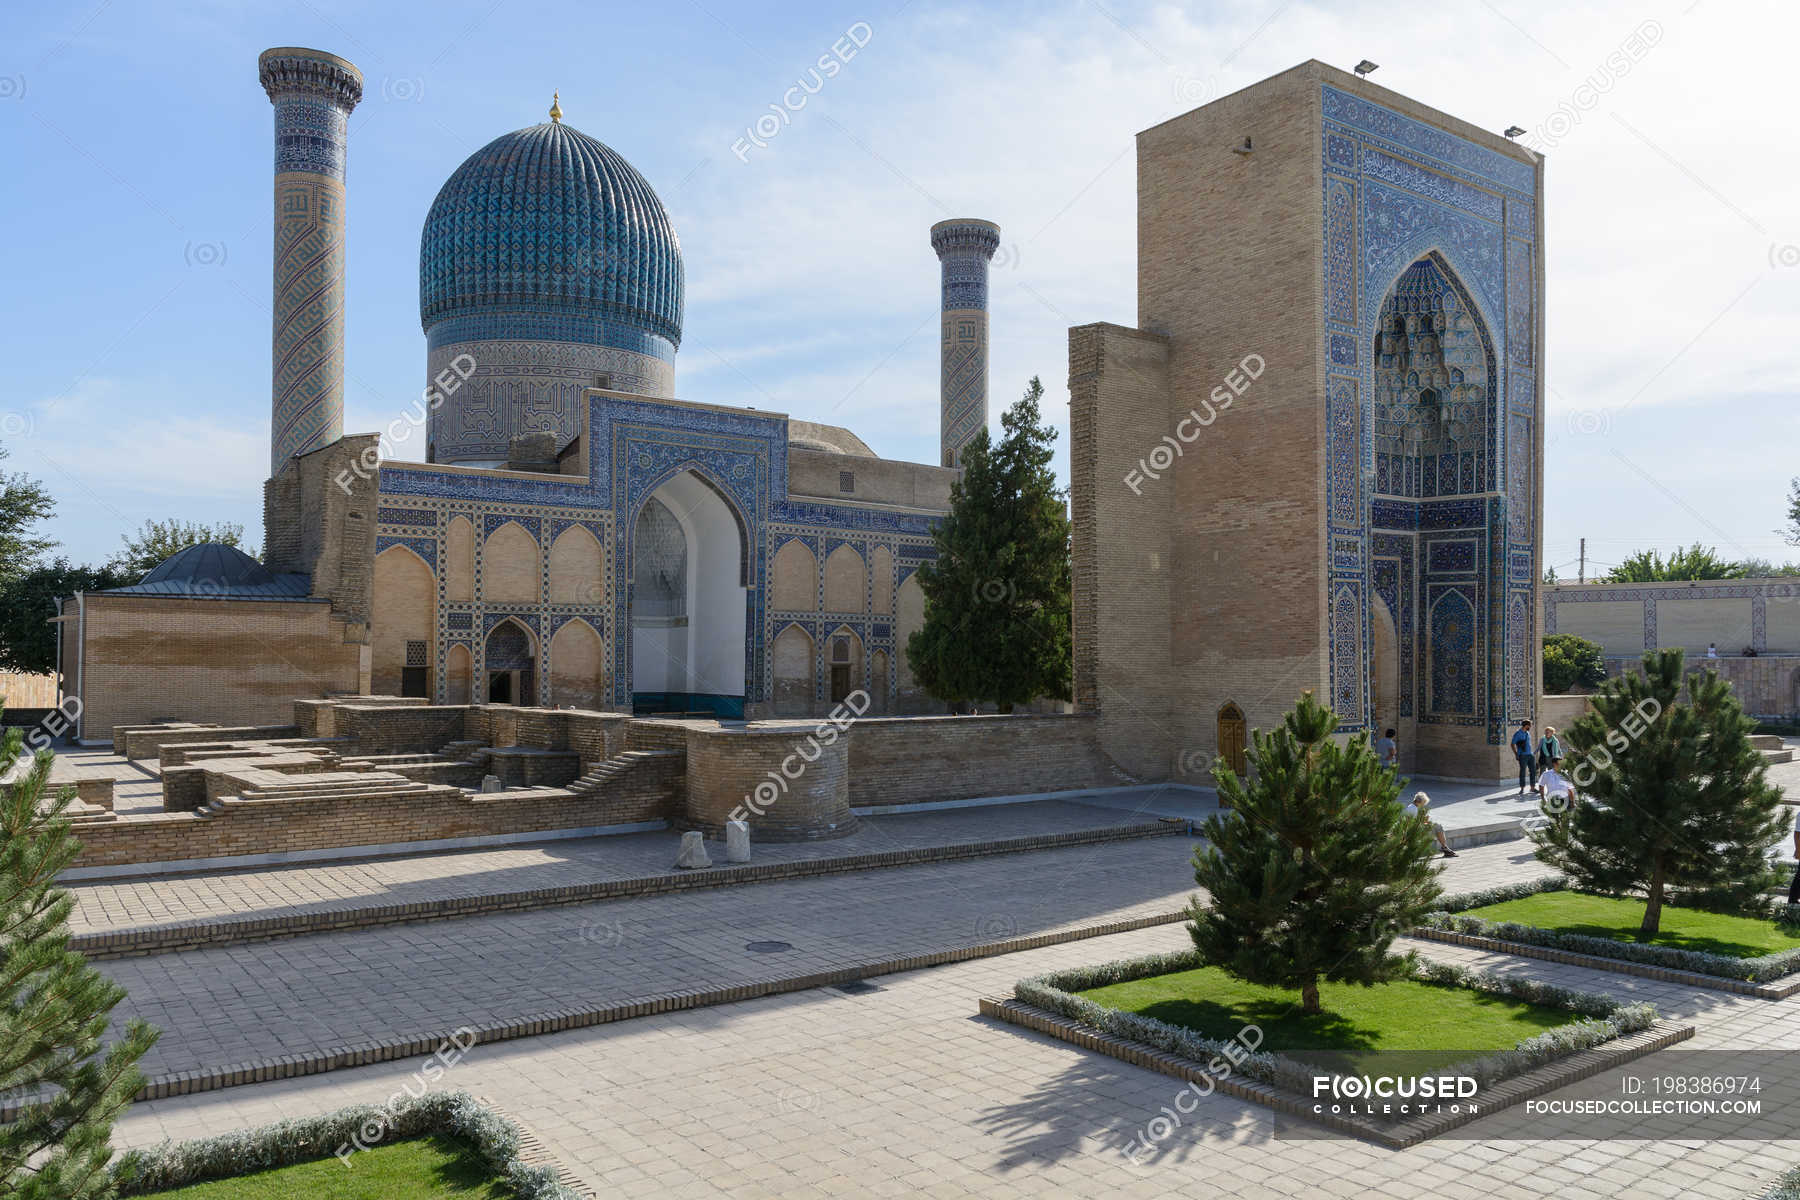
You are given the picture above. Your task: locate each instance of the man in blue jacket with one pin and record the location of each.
(1527, 755)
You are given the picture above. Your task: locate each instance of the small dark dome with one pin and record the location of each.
(213, 567)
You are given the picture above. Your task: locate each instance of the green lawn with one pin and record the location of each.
(1405, 1015)
(421, 1169)
(1608, 917)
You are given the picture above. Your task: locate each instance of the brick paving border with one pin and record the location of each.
(1398, 1136)
(190, 935)
(535, 1152)
(1618, 966)
(288, 1066)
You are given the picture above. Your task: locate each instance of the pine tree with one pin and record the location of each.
(1314, 868)
(997, 608)
(53, 1006)
(1674, 794)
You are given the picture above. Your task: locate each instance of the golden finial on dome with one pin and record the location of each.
(556, 106)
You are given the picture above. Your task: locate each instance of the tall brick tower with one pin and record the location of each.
(313, 93)
(964, 246)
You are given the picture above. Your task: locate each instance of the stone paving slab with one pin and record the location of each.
(900, 1091)
(122, 905)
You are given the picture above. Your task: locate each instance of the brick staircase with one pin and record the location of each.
(607, 770)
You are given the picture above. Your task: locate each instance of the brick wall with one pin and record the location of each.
(1118, 406)
(234, 662)
(1230, 265)
(397, 730)
(148, 741)
(1767, 685)
(792, 783)
(647, 792)
(919, 759)
(596, 736)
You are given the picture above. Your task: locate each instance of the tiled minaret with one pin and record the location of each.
(964, 246)
(313, 93)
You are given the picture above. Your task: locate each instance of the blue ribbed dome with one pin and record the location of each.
(548, 220)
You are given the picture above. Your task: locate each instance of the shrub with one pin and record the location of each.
(1570, 662)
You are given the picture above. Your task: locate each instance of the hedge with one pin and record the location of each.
(308, 1139)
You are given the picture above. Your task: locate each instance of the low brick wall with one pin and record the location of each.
(1767, 685)
(658, 734)
(910, 760)
(647, 792)
(186, 788)
(318, 718)
(147, 741)
(596, 736)
(379, 729)
(520, 766)
(1559, 712)
(792, 784)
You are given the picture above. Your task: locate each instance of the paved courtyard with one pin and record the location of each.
(905, 1091)
(894, 1088)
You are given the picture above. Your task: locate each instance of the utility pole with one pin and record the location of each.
(1581, 571)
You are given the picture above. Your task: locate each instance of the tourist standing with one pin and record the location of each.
(1526, 753)
(1549, 749)
(1794, 887)
(1387, 749)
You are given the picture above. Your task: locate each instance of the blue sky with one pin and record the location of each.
(135, 204)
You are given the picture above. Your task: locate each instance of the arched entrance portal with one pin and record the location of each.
(510, 659)
(688, 602)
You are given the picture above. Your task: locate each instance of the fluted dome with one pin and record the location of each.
(548, 220)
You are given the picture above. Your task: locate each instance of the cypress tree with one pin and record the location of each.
(997, 608)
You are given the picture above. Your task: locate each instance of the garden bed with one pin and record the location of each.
(431, 1168)
(1522, 1037)
(1750, 955)
(439, 1144)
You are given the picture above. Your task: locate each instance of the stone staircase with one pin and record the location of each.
(1773, 751)
(607, 770)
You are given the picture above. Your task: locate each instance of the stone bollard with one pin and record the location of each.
(491, 783)
(693, 851)
(737, 841)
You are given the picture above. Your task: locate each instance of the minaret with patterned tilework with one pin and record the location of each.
(964, 246)
(313, 93)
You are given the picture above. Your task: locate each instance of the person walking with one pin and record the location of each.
(1526, 753)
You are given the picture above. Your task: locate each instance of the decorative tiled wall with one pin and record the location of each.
(636, 445)
(1431, 307)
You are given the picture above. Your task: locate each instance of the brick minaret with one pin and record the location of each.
(964, 246)
(313, 93)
